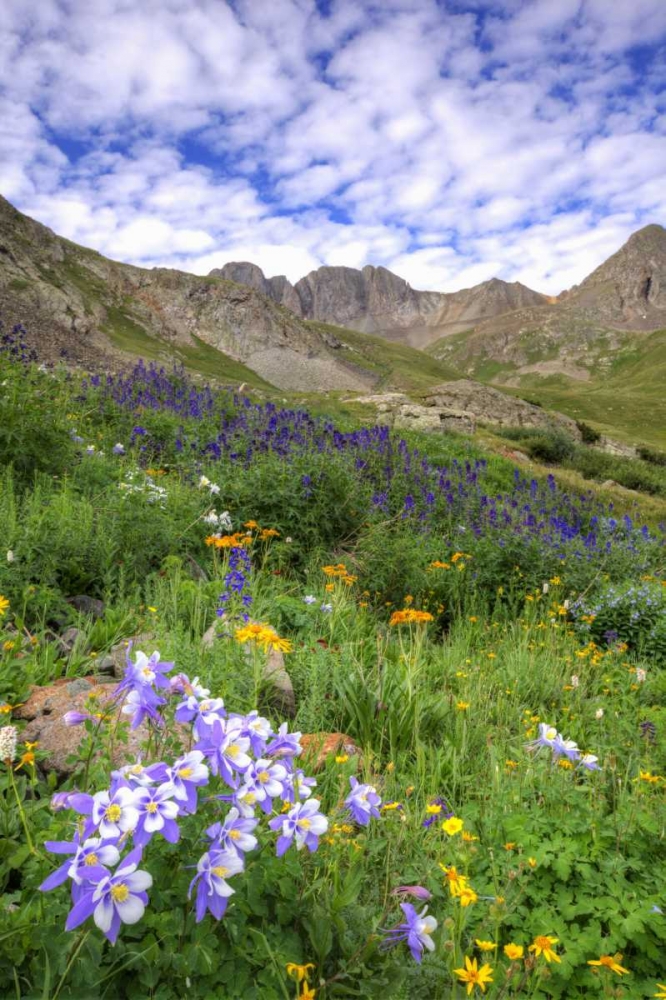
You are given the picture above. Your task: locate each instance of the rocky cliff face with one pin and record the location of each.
(374, 300)
(629, 289)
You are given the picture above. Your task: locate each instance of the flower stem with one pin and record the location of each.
(19, 804)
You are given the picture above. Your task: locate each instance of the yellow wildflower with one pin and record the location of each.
(514, 951)
(467, 896)
(485, 945)
(452, 826)
(611, 962)
(543, 945)
(455, 881)
(298, 972)
(474, 976)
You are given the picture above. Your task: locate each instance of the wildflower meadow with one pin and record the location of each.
(348, 715)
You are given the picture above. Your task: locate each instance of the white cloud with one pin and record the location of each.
(514, 138)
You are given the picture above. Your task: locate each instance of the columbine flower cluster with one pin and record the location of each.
(562, 748)
(221, 521)
(205, 483)
(138, 483)
(247, 770)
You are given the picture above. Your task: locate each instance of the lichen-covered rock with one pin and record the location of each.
(490, 406)
(44, 710)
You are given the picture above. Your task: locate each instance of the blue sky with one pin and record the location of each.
(449, 140)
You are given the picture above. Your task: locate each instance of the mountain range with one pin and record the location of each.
(340, 327)
(374, 300)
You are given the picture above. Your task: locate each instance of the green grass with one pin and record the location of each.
(395, 366)
(437, 711)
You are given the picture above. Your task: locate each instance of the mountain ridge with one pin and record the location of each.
(373, 299)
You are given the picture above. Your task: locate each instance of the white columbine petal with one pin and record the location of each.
(131, 910)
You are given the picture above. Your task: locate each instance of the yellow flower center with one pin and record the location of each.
(90, 860)
(263, 777)
(232, 751)
(551, 733)
(113, 813)
(185, 772)
(119, 893)
(151, 807)
(234, 834)
(305, 824)
(220, 871)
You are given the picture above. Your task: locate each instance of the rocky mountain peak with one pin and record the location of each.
(629, 289)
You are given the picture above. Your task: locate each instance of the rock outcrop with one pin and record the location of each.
(490, 406)
(458, 406)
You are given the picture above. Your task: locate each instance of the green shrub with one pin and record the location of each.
(588, 434)
(551, 447)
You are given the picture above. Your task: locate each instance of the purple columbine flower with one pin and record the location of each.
(234, 834)
(204, 713)
(144, 672)
(259, 730)
(89, 863)
(362, 802)
(114, 814)
(416, 931)
(304, 824)
(589, 761)
(157, 814)
(186, 775)
(141, 703)
(546, 738)
(264, 781)
(298, 781)
(326, 608)
(213, 891)
(285, 744)
(181, 684)
(309, 599)
(226, 749)
(416, 891)
(118, 899)
(74, 718)
(565, 748)
(135, 775)
(118, 449)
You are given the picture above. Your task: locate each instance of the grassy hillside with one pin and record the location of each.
(624, 397)
(627, 401)
(395, 366)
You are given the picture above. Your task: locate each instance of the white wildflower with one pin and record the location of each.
(8, 743)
